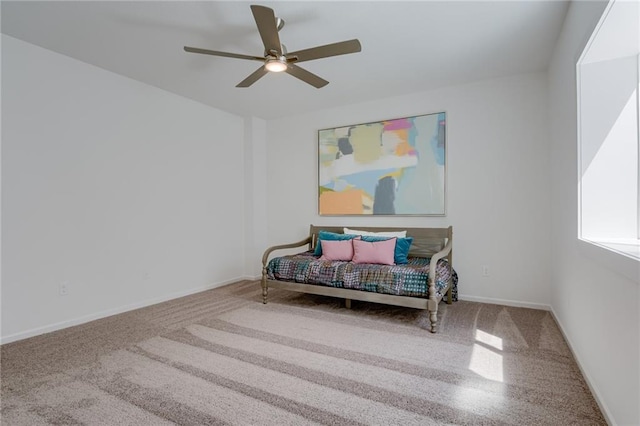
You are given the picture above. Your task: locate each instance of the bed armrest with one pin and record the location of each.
(267, 252)
(433, 300)
(434, 262)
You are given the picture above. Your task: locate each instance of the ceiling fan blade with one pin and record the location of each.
(225, 54)
(267, 27)
(306, 76)
(255, 76)
(333, 49)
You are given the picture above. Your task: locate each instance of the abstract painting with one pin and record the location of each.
(390, 167)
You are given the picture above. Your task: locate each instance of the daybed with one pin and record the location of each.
(420, 283)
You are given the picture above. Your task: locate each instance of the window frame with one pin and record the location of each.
(633, 253)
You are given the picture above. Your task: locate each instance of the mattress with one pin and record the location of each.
(404, 280)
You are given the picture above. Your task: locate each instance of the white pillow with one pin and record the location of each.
(398, 234)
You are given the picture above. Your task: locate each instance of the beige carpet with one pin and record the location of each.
(222, 357)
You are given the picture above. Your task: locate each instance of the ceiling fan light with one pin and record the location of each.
(275, 65)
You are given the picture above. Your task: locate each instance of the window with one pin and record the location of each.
(608, 131)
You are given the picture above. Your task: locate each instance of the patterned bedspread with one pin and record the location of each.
(404, 280)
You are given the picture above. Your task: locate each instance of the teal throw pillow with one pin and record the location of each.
(331, 236)
(401, 253)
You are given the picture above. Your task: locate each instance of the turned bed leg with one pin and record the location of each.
(433, 317)
(432, 304)
(433, 314)
(265, 286)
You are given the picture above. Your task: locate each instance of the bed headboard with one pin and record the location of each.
(426, 241)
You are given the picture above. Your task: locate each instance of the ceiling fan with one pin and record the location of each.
(276, 58)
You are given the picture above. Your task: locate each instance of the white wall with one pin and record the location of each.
(256, 221)
(129, 194)
(498, 181)
(595, 298)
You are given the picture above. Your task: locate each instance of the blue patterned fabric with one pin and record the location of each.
(404, 280)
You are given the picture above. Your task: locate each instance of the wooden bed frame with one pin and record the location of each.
(435, 243)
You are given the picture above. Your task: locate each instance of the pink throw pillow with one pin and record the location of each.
(381, 252)
(337, 250)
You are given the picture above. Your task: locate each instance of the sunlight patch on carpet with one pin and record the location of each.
(485, 360)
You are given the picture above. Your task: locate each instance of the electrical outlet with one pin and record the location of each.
(485, 270)
(63, 288)
(146, 276)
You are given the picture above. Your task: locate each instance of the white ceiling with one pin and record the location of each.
(406, 46)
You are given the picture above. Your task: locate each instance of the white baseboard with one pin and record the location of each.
(505, 302)
(109, 312)
(594, 390)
